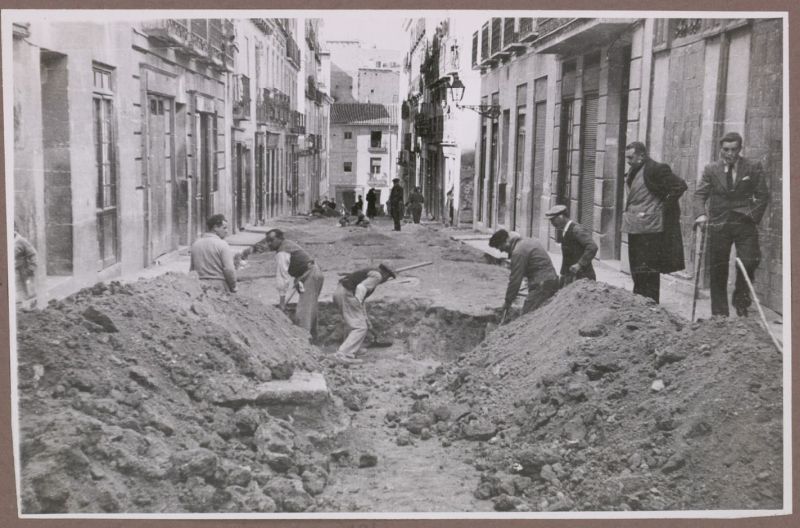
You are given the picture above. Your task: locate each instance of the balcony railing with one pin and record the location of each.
(476, 37)
(527, 30)
(241, 97)
(292, 51)
(205, 40)
(378, 147)
(263, 24)
(298, 123)
(377, 179)
(548, 25)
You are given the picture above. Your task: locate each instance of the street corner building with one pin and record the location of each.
(128, 135)
(562, 97)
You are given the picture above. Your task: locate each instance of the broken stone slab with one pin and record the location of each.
(303, 388)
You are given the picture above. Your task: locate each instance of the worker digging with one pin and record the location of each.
(465, 267)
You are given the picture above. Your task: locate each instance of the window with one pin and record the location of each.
(348, 135)
(348, 166)
(375, 139)
(105, 166)
(374, 166)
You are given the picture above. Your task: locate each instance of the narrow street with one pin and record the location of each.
(456, 414)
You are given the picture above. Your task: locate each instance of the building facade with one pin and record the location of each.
(363, 145)
(183, 118)
(578, 90)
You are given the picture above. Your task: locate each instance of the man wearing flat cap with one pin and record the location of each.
(529, 260)
(396, 202)
(350, 296)
(577, 246)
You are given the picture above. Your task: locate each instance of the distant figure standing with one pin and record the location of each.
(372, 198)
(396, 201)
(651, 217)
(415, 201)
(357, 207)
(449, 207)
(25, 263)
(212, 257)
(577, 246)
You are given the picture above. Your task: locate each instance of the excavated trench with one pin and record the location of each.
(413, 326)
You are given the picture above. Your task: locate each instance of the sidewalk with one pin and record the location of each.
(676, 293)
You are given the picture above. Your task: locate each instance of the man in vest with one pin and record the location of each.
(295, 268)
(212, 258)
(529, 260)
(652, 220)
(731, 197)
(577, 247)
(350, 296)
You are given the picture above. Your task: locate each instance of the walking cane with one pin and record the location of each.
(758, 305)
(698, 265)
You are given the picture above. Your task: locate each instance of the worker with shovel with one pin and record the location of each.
(296, 268)
(528, 260)
(577, 247)
(350, 296)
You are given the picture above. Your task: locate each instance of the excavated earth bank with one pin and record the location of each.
(146, 398)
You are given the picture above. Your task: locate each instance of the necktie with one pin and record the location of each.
(729, 176)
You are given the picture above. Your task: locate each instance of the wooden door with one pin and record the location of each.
(160, 175)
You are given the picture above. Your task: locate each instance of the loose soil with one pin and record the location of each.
(137, 397)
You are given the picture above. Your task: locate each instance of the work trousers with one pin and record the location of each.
(355, 317)
(741, 232)
(416, 211)
(538, 293)
(397, 215)
(644, 255)
(308, 301)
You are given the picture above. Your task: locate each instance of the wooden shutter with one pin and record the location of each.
(588, 156)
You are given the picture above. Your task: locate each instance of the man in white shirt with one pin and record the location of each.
(212, 257)
(350, 297)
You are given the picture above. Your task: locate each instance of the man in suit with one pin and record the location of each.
(731, 199)
(577, 246)
(652, 220)
(396, 201)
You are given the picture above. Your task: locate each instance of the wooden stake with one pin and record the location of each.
(758, 305)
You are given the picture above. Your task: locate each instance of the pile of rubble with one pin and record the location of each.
(162, 396)
(602, 400)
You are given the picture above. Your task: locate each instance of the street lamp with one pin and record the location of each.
(457, 87)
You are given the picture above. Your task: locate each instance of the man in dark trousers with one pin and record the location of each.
(350, 296)
(528, 260)
(372, 198)
(396, 201)
(652, 220)
(415, 201)
(731, 198)
(296, 269)
(577, 246)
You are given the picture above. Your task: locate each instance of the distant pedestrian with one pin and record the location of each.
(296, 269)
(372, 199)
(396, 200)
(415, 201)
(577, 246)
(529, 260)
(350, 296)
(212, 258)
(449, 207)
(731, 198)
(26, 262)
(358, 206)
(652, 220)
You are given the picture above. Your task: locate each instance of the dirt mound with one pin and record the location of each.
(602, 400)
(139, 398)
